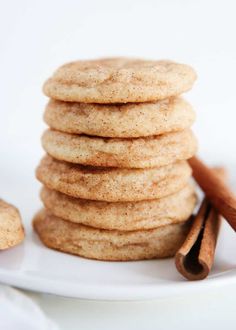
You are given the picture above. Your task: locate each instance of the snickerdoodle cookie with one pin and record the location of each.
(113, 184)
(120, 120)
(119, 80)
(103, 244)
(145, 152)
(124, 216)
(11, 229)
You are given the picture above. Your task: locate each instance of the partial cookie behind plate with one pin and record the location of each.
(109, 245)
(120, 120)
(119, 80)
(122, 216)
(113, 184)
(11, 229)
(154, 151)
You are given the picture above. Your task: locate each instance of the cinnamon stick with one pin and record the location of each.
(195, 258)
(215, 189)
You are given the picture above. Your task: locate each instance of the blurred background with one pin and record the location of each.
(38, 36)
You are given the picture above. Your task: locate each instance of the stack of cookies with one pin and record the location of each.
(116, 179)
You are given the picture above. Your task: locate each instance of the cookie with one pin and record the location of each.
(122, 216)
(154, 151)
(113, 184)
(111, 245)
(11, 229)
(130, 120)
(119, 80)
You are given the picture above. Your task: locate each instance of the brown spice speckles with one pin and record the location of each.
(11, 228)
(116, 179)
(108, 245)
(113, 184)
(122, 216)
(120, 121)
(154, 151)
(119, 80)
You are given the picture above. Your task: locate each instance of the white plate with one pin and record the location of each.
(35, 267)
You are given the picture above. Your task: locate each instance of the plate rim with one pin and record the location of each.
(115, 293)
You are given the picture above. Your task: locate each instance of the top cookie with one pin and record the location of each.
(119, 80)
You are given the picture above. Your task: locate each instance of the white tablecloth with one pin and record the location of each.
(209, 310)
(20, 312)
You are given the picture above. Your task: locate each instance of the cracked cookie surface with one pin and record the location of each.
(113, 184)
(119, 80)
(11, 228)
(154, 151)
(110, 245)
(120, 120)
(124, 216)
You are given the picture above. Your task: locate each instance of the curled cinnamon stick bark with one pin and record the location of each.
(195, 258)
